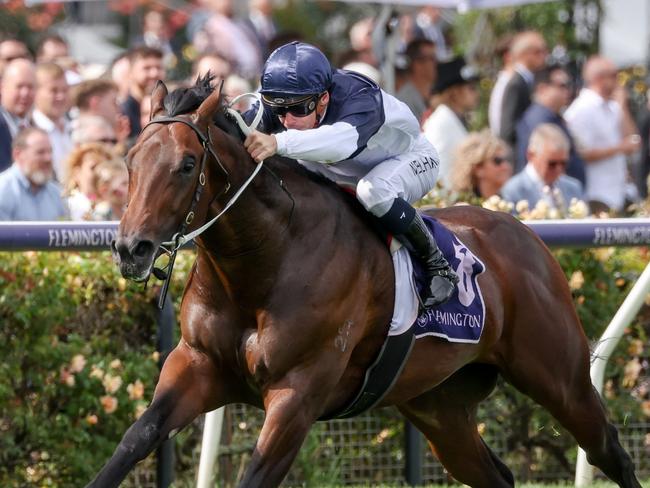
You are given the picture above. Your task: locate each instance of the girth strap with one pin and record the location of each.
(380, 376)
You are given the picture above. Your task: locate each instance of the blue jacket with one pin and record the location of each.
(523, 187)
(5, 144)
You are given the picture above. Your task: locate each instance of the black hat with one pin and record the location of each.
(454, 72)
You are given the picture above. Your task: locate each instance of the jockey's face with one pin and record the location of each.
(309, 121)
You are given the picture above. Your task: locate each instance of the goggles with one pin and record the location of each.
(298, 107)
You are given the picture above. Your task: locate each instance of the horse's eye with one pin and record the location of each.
(188, 165)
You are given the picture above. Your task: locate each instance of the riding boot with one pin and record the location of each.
(442, 279)
(414, 234)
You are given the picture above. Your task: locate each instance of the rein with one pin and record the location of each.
(179, 239)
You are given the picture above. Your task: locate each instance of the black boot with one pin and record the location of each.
(442, 279)
(408, 227)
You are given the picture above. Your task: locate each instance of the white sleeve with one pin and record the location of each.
(325, 144)
(580, 128)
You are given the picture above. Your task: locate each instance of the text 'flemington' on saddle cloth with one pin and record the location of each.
(461, 319)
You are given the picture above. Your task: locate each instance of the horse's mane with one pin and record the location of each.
(185, 100)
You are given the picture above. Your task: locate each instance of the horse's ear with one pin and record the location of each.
(205, 112)
(157, 98)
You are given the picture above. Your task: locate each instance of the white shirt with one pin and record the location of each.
(496, 101)
(596, 123)
(445, 131)
(60, 139)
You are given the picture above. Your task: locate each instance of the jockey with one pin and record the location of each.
(342, 125)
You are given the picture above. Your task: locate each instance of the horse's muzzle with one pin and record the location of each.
(134, 257)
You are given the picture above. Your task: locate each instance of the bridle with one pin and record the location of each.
(206, 142)
(180, 238)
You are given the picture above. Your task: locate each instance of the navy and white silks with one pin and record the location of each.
(366, 138)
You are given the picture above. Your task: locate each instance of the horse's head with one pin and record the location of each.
(167, 174)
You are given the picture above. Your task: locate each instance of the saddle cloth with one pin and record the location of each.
(461, 319)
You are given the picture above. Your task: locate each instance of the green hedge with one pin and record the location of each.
(79, 363)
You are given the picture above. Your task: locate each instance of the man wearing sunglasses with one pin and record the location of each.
(551, 94)
(544, 178)
(342, 125)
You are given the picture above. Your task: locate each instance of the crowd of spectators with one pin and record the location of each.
(550, 136)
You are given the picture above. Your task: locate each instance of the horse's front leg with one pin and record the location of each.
(292, 406)
(188, 386)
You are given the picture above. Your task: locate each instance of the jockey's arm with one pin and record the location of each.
(328, 143)
(324, 144)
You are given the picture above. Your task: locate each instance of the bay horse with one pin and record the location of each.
(278, 276)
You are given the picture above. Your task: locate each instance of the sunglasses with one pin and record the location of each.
(554, 163)
(300, 108)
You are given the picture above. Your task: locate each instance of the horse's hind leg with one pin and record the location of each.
(446, 416)
(560, 382)
(186, 388)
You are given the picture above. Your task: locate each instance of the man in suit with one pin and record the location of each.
(544, 178)
(529, 54)
(17, 91)
(5, 145)
(551, 94)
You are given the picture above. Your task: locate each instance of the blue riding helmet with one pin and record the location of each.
(294, 72)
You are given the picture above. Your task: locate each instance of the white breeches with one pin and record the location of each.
(409, 176)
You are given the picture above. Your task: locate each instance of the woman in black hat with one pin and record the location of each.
(446, 128)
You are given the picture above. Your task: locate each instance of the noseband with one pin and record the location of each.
(180, 238)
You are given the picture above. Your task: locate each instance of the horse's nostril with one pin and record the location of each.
(143, 249)
(113, 246)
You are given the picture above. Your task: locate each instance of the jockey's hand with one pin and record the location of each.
(260, 146)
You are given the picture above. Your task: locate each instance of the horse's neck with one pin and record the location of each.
(249, 238)
(284, 207)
